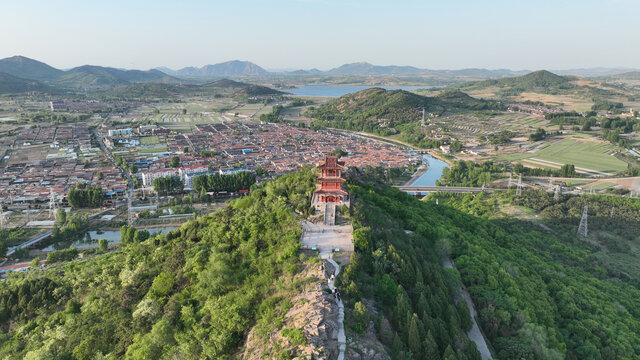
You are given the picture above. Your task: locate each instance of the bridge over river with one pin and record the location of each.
(456, 189)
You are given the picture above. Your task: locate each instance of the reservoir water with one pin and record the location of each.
(338, 90)
(112, 236)
(433, 173)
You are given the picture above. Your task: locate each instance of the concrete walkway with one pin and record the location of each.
(342, 338)
(327, 238)
(474, 334)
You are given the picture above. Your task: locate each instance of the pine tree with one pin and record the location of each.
(397, 346)
(414, 340)
(449, 354)
(430, 347)
(465, 317)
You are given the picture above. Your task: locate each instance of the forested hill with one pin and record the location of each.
(540, 294)
(391, 112)
(198, 291)
(10, 85)
(192, 294)
(539, 81)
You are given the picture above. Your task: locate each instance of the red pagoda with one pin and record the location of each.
(329, 186)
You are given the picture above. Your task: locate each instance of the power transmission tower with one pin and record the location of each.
(557, 192)
(52, 203)
(582, 229)
(519, 191)
(422, 122)
(550, 183)
(510, 180)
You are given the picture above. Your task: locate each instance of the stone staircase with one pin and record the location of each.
(330, 214)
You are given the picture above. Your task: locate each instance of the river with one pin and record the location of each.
(433, 172)
(112, 237)
(339, 90)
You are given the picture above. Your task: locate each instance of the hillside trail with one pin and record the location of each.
(342, 338)
(474, 334)
(325, 239)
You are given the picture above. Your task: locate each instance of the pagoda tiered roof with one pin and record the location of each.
(331, 162)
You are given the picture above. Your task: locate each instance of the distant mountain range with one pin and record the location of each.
(79, 77)
(229, 68)
(33, 74)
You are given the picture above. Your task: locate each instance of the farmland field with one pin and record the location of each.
(583, 154)
(149, 140)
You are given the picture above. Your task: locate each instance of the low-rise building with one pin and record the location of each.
(149, 176)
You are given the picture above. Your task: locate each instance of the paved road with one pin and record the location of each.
(108, 154)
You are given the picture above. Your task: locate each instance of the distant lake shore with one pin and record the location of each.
(339, 90)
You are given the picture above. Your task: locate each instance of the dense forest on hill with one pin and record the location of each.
(540, 294)
(540, 291)
(191, 294)
(396, 264)
(393, 112)
(537, 81)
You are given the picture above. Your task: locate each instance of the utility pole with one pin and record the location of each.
(2, 219)
(130, 219)
(582, 229)
(519, 191)
(52, 203)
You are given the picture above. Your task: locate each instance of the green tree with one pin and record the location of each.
(175, 162)
(449, 354)
(61, 216)
(414, 340)
(103, 245)
(430, 347)
(360, 316)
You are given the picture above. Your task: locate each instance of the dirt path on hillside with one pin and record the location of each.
(474, 334)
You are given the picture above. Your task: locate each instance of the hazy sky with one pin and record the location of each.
(436, 34)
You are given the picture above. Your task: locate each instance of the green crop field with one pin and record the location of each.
(153, 150)
(149, 140)
(584, 154)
